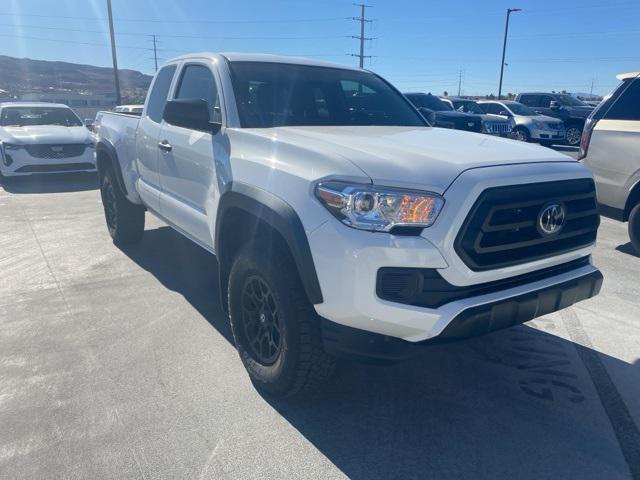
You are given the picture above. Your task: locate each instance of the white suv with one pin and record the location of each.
(610, 147)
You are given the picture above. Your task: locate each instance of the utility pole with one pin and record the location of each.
(591, 91)
(361, 37)
(155, 53)
(113, 54)
(459, 81)
(504, 47)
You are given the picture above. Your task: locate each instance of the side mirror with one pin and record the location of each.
(554, 105)
(430, 115)
(88, 122)
(191, 113)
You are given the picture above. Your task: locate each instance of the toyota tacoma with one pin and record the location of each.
(343, 223)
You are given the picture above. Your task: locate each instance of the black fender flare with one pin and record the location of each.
(279, 215)
(106, 147)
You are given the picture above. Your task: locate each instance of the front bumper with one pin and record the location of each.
(547, 135)
(19, 162)
(474, 321)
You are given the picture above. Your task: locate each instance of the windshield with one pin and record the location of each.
(428, 101)
(570, 101)
(277, 94)
(467, 107)
(520, 109)
(27, 116)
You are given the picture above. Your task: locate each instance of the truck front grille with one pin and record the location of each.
(56, 151)
(504, 225)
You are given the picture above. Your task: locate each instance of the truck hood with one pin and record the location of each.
(44, 134)
(412, 157)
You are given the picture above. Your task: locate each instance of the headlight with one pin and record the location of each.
(487, 126)
(379, 209)
(11, 146)
(539, 125)
(512, 123)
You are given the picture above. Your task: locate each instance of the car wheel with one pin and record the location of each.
(573, 135)
(634, 227)
(275, 328)
(521, 134)
(125, 220)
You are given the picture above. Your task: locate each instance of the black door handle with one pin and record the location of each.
(165, 146)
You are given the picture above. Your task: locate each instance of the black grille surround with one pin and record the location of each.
(501, 228)
(66, 150)
(425, 287)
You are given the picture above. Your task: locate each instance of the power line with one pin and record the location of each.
(173, 21)
(361, 37)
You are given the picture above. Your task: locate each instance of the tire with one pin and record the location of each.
(125, 220)
(573, 135)
(521, 134)
(275, 328)
(634, 227)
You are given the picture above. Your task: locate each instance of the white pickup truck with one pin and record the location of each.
(342, 222)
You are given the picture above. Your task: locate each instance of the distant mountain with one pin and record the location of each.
(19, 75)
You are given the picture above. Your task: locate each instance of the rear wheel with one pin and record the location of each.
(275, 328)
(521, 134)
(573, 135)
(634, 227)
(125, 220)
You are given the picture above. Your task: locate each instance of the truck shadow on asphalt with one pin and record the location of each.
(52, 183)
(519, 403)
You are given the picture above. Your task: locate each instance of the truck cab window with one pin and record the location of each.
(197, 82)
(159, 92)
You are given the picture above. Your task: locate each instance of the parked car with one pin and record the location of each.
(38, 137)
(570, 110)
(129, 109)
(440, 114)
(611, 149)
(344, 224)
(530, 126)
(491, 124)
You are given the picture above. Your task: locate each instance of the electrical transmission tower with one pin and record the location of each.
(361, 37)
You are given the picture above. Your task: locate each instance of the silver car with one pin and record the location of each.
(530, 126)
(491, 124)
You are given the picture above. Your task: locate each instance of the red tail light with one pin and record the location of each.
(586, 137)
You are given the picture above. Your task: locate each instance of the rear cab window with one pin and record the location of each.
(159, 92)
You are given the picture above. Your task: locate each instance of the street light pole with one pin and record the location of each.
(504, 47)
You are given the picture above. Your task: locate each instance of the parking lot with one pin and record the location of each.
(120, 364)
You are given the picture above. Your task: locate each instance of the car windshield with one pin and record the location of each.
(277, 94)
(570, 101)
(467, 107)
(520, 109)
(28, 116)
(428, 101)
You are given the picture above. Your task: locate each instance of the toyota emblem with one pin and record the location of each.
(551, 219)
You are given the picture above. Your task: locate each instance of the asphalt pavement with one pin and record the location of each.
(119, 364)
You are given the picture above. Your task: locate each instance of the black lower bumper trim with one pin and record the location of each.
(344, 341)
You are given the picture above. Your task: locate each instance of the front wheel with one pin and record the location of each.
(125, 220)
(521, 134)
(573, 135)
(634, 227)
(275, 329)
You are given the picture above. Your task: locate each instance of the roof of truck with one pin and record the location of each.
(32, 104)
(263, 57)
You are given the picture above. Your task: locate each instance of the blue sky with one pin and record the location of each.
(419, 45)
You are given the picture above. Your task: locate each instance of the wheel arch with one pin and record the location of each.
(244, 212)
(632, 200)
(107, 156)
